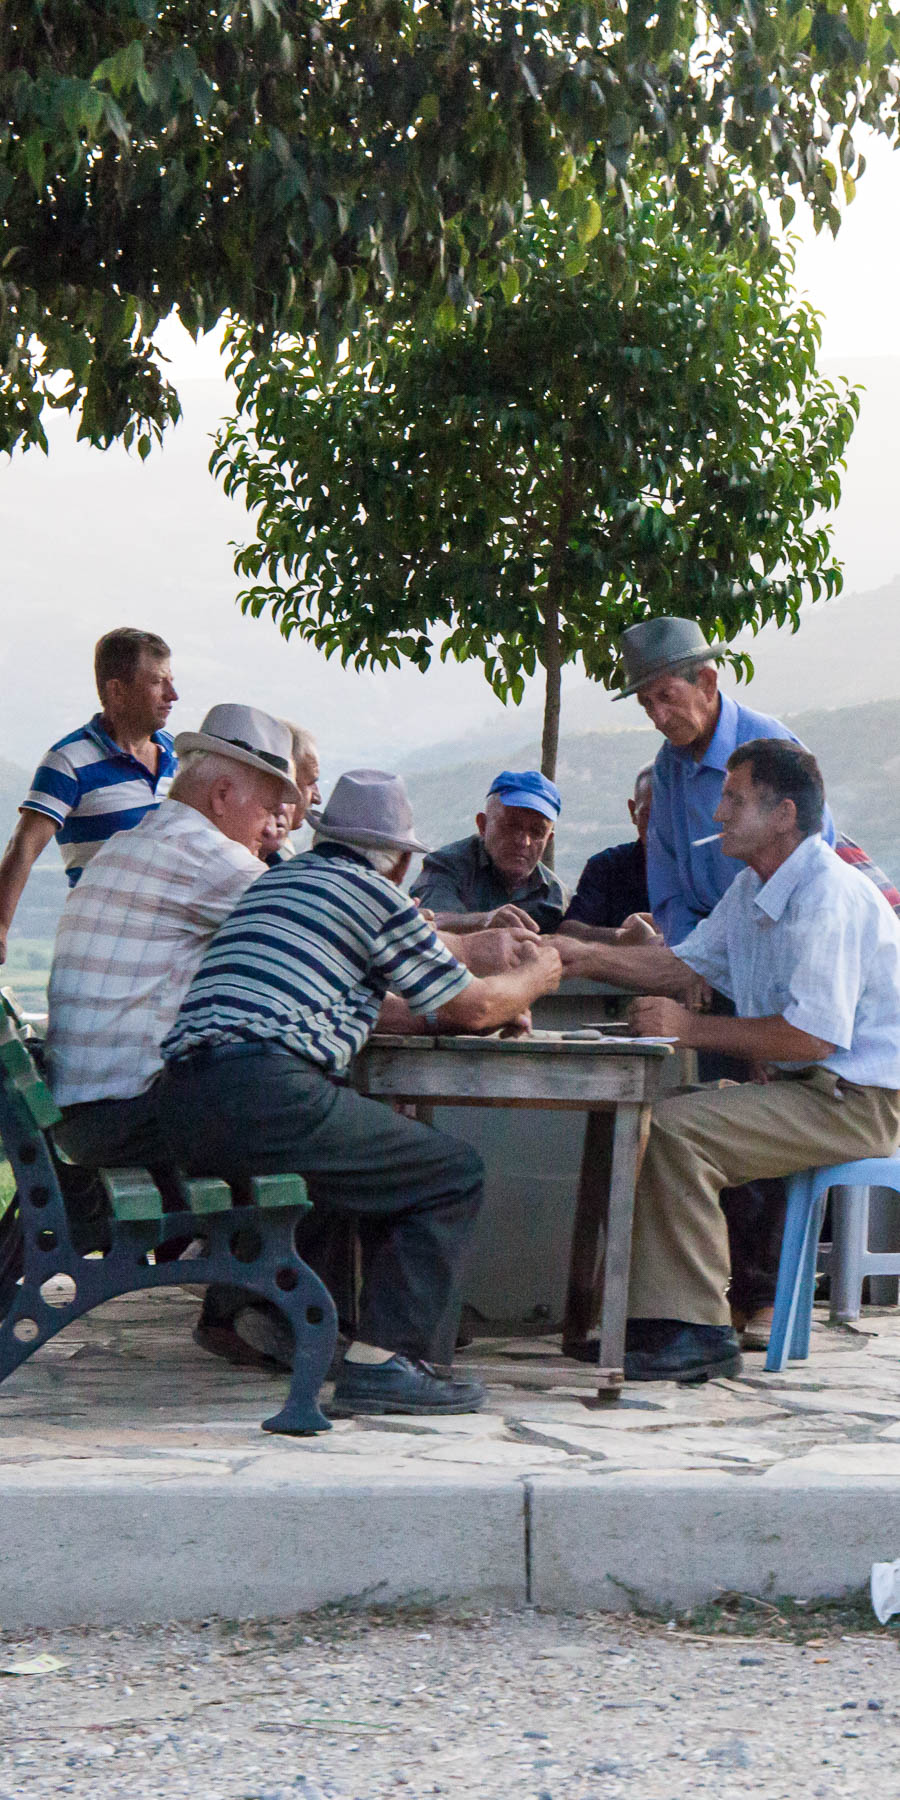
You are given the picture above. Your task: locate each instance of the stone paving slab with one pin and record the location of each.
(135, 1481)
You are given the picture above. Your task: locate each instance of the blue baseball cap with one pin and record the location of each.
(528, 788)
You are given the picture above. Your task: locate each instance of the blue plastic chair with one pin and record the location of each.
(849, 1258)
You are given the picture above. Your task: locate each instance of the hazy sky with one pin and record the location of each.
(92, 540)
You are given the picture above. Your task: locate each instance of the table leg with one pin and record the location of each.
(629, 1141)
(590, 1215)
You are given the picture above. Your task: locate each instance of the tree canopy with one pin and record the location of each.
(305, 167)
(561, 465)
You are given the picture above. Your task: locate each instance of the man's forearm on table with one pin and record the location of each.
(759, 1040)
(648, 968)
(589, 934)
(396, 1019)
(459, 922)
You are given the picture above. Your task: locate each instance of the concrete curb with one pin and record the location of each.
(667, 1544)
(113, 1551)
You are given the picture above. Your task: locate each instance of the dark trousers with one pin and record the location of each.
(251, 1110)
(753, 1212)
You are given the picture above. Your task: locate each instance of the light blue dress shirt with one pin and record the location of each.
(684, 882)
(816, 946)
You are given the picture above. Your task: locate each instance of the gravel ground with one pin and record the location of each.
(351, 1708)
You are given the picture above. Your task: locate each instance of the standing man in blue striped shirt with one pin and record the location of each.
(104, 777)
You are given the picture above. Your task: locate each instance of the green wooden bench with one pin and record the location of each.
(73, 1239)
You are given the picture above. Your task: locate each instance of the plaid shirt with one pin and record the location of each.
(858, 859)
(130, 939)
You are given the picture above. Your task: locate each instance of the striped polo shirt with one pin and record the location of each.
(306, 959)
(91, 788)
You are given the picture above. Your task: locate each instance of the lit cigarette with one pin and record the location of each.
(713, 838)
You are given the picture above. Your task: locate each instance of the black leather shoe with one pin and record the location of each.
(670, 1350)
(401, 1386)
(640, 1334)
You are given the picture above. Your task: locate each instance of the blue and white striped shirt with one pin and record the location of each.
(306, 959)
(92, 788)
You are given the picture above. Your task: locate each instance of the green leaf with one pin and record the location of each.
(35, 159)
(590, 222)
(509, 284)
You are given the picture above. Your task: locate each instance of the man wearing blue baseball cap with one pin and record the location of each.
(496, 877)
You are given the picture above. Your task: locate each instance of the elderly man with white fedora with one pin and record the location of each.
(315, 953)
(134, 929)
(130, 938)
(668, 664)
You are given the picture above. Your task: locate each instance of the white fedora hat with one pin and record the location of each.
(247, 736)
(370, 808)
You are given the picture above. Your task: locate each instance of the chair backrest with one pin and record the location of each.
(12, 1009)
(29, 1101)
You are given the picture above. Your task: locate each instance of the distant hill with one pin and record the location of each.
(42, 900)
(858, 748)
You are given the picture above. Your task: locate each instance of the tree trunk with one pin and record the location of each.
(552, 649)
(553, 669)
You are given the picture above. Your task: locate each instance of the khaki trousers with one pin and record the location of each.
(712, 1138)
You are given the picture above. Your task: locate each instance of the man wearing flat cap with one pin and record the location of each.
(496, 876)
(132, 934)
(316, 952)
(668, 664)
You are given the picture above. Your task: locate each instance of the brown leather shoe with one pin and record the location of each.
(223, 1340)
(757, 1329)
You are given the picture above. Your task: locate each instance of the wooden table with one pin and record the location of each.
(614, 1083)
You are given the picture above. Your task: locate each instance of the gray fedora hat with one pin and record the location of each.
(659, 646)
(247, 736)
(369, 808)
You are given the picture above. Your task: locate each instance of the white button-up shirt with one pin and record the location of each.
(131, 938)
(817, 946)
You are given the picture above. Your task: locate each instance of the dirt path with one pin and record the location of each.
(487, 1706)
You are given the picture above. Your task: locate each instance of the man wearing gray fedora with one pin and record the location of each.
(668, 664)
(317, 952)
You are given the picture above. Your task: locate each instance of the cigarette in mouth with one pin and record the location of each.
(713, 838)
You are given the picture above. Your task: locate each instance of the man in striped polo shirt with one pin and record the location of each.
(104, 777)
(315, 952)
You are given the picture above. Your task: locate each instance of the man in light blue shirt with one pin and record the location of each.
(810, 956)
(671, 668)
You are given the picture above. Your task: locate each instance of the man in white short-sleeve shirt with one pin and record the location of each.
(810, 955)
